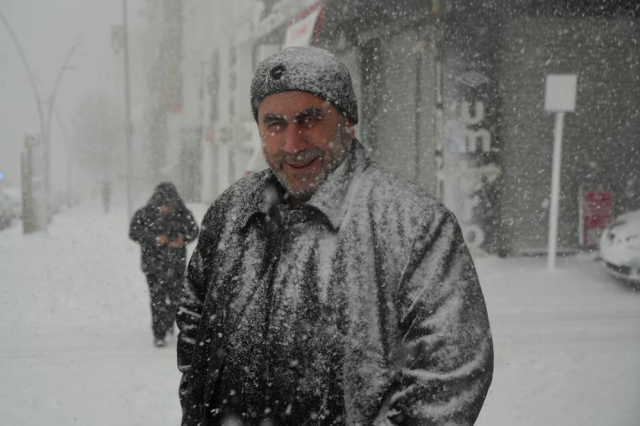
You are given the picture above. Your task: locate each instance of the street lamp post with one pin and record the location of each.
(65, 135)
(52, 100)
(45, 125)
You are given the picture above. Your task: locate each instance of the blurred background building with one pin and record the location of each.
(451, 95)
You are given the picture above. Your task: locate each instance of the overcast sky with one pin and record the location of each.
(47, 30)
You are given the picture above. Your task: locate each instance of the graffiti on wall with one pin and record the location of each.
(470, 141)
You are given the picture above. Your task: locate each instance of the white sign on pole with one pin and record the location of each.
(560, 97)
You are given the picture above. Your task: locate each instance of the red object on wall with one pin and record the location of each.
(596, 213)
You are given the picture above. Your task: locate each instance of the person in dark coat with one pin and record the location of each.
(163, 228)
(328, 290)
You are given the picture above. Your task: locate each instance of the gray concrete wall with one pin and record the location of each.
(397, 105)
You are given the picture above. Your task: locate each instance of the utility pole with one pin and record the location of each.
(128, 124)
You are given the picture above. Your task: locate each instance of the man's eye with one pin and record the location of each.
(274, 127)
(310, 120)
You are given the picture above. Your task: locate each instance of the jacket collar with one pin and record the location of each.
(331, 197)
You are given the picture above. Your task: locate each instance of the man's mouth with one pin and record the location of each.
(303, 164)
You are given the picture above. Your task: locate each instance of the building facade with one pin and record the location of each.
(451, 95)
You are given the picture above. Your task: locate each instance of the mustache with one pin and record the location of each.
(306, 155)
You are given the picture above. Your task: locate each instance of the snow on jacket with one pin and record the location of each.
(360, 307)
(147, 223)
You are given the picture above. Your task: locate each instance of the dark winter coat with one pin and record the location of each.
(148, 223)
(360, 306)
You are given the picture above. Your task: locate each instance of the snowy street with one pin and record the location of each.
(331, 287)
(76, 344)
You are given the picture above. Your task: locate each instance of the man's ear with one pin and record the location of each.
(349, 128)
(352, 130)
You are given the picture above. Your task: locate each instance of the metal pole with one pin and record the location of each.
(65, 135)
(28, 215)
(45, 125)
(47, 138)
(555, 191)
(63, 68)
(34, 88)
(128, 124)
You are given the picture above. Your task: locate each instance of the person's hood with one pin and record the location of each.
(166, 194)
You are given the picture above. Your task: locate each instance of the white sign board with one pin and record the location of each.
(560, 95)
(300, 33)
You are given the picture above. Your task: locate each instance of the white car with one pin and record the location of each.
(620, 247)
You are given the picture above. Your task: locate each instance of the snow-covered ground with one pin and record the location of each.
(76, 345)
(567, 344)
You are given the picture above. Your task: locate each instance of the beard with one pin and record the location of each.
(330, 158)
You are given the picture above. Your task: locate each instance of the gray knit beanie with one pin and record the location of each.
(305, 69)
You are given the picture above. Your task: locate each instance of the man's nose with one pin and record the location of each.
(294, 139)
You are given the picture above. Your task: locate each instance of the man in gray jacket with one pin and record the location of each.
(328, 290)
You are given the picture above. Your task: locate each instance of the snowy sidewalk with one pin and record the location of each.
(75, 336)
(76, 344)
(567, 344)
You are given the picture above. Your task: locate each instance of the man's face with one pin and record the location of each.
(166, 210)
(304, 138)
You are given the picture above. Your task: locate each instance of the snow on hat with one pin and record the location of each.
(305, 69)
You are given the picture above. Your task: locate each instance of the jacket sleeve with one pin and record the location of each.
(190, 227)
(446, 360)
(139, 229)
(188, 317)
